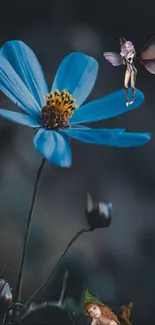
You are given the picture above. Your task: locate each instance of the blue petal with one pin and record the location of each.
(78, 126)
(19, 118)
(95, 136)
(76, 74)
(54, 146)
(106, 107)
(127, 140)
(13, 87)
(28, 68)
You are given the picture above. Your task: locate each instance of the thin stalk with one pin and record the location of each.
(45, 285)
(28, 227)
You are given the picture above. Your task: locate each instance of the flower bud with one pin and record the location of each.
(5, 294)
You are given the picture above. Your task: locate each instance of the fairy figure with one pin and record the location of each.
(128, 56)
(98, 312)
(103, 315)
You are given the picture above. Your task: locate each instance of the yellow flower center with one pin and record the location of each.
(59, 108)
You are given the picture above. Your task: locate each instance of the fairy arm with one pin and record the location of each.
(131, 58)
(112, 323)
(94, 322)
(124, 61)
(123, 57)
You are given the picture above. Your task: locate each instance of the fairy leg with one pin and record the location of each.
(133, 83)
(126, 83)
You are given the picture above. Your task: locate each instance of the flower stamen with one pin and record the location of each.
(59, 108)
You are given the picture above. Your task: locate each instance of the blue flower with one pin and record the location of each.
(56, 117)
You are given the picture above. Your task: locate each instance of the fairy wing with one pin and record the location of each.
(114, 58)
(148, 51)
(129, 309)
(147, 55)
(149, 65)
(122, 41)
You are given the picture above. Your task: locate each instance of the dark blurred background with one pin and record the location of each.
(117, 264)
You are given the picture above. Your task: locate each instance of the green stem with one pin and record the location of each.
(28, 227)
(45, 285)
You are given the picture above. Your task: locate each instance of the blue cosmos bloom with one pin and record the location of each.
(55, 115)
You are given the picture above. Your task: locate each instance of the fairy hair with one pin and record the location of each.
(106, 311)
(131, 46)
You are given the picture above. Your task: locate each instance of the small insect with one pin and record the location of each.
(127, 56)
